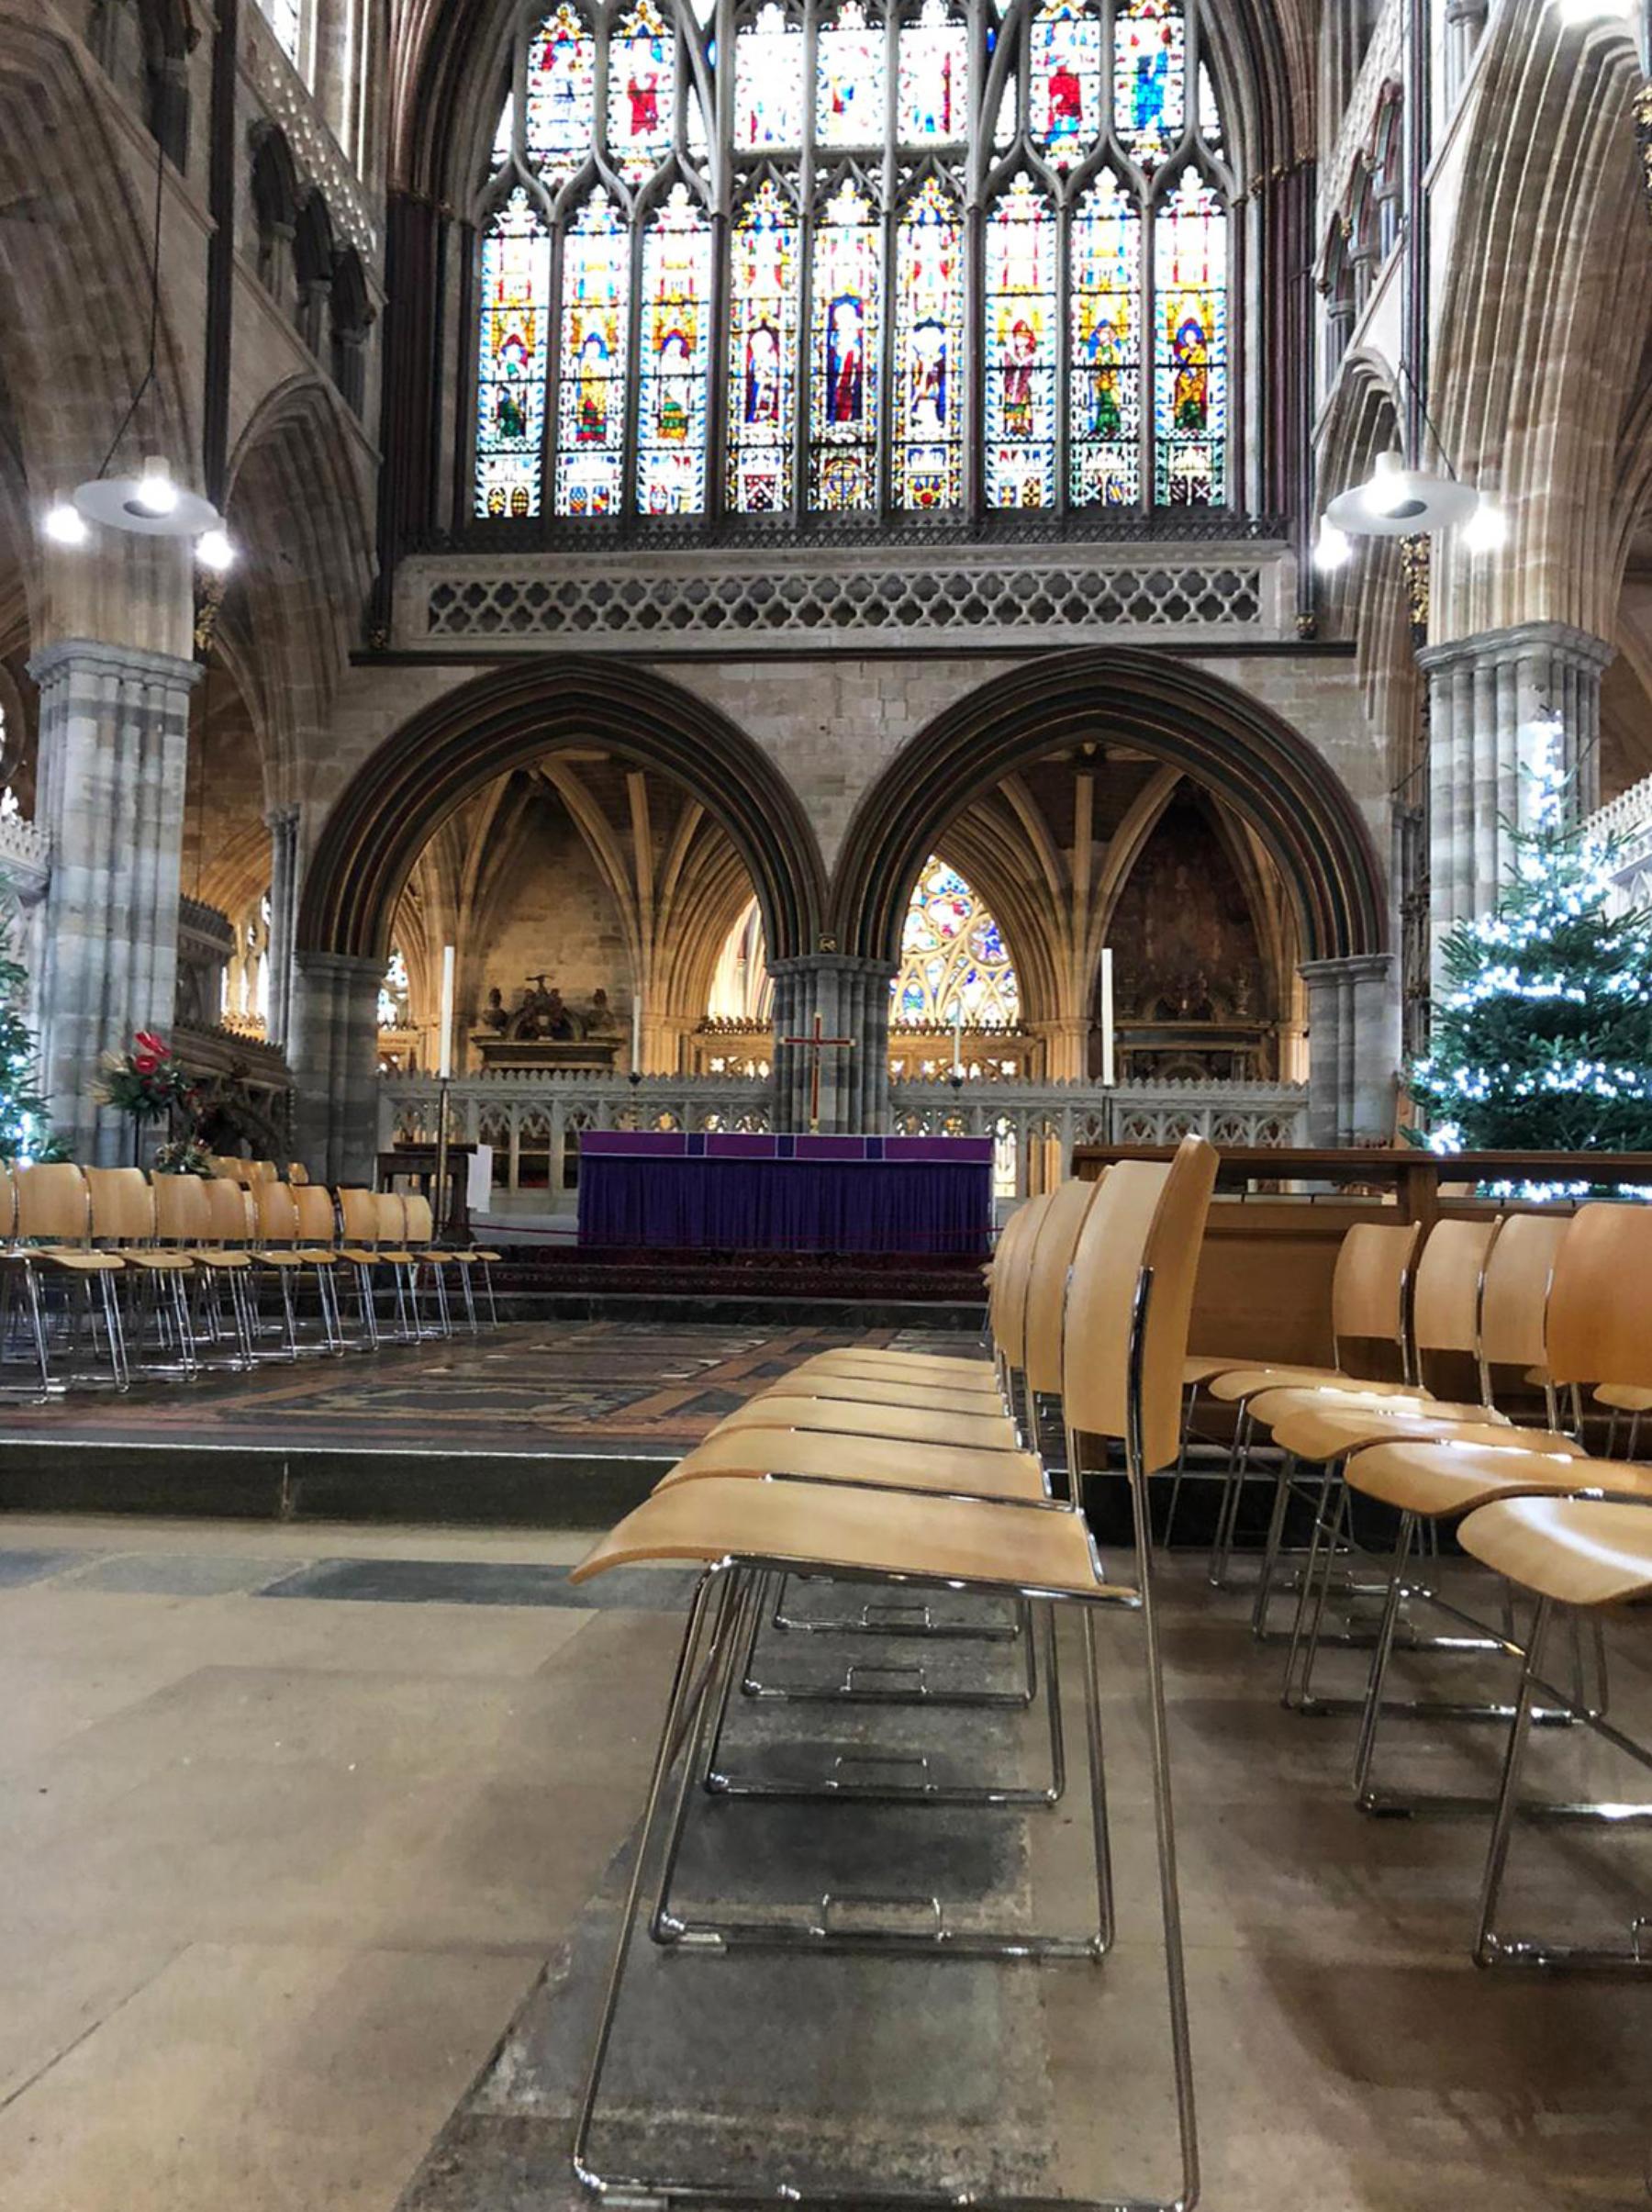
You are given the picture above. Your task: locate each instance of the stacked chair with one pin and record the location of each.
(882, 1469)
(105, 1271)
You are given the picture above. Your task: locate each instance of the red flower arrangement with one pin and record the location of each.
(147, 1080)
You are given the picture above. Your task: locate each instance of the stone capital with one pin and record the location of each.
(126, 663)
(835, 963)
(343, 968)
(1355, 967)
(286, 816)
(1520, 641)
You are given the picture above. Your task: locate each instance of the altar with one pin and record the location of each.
(711, 1192)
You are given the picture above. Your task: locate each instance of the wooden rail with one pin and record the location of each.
(1264, 1287)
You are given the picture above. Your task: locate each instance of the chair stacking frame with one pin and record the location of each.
(1126, 1329)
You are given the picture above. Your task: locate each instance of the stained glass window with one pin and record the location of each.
(954, 961)
(675, 355)
(1105, 428)
(1078, 331)
(763, 330)
(850, 78)
(768, 80)
(932, 94)
(1067, 80)
(561, 81)
(510, 369)
(1150, 68)
(590, 428)
(1021, 327)
(1189, 394)
(928, 345)
(642, 89)
(843, 352)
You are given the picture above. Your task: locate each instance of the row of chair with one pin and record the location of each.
(175, 1273)
(889, 1468)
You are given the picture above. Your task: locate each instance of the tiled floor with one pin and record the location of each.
(291, 1822)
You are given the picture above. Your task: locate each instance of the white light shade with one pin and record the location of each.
(121, 502)
(156, 492)
(1578, 14)
(1385, 494)
(1487, 528)
(215, 551)
(1331, 548)
(64, 524)
(1404, 505)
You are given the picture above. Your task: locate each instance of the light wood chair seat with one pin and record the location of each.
(916, 1425)
(1433, 1479)
(1234, 1383)
(1203, 1367)
(1581, 1551)
(76, 1261)
(292, 1256)
(159, 1263)
(974, 1376)
(881, 1389)
(209, 1257)
(1625, 1397)
(817, 1454)
(1321, 1428)
(816, 1527)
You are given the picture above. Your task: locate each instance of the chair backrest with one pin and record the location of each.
(420, 1222)
(359, 1211)
(390, 1207)
(314, 1206)
(1006, 1306)
(1515, 1307)
(1368, 1290)
(263, 1171)
(182, 1215)
(229, 1211)
(275, 1213)
(1047, 1282)
(1146, 1215)
(122, 1205)
(52, 1203)
(1445, 1302)
(298, 1174)
(1599, 1307)
(227, 1169)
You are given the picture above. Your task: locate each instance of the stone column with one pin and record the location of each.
(1485, 695)
(114, 745)
(1352, 1049)
(852, 997)
(333, 1050)
(283, 825)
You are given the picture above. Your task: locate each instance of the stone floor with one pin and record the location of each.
(309, 1842)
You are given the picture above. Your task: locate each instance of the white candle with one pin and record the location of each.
(445, 1066)
(957, 1040)
(1107, 1018)
(636, 1036)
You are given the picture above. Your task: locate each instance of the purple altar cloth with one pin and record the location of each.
(733, 1193)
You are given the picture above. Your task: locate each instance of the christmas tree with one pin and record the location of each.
(24, 1133)
(1542, 1031)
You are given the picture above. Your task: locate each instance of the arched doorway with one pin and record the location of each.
(1226, 743)
(511, 720)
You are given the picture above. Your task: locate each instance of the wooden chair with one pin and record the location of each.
(359, 1251)
(283, 1254)
(157, 1281)
(1581, 1555)
(1125, 1343)
(1599, 1328)
(54, 1225)
(390, 1210)
(184, 1221)
(1369, 1301)
(1514, 1307)
(18, 1273)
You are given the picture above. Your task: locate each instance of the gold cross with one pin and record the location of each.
(816, 1043)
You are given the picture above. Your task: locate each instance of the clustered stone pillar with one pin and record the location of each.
(1353, 1048)
(114, 747)
(852, 997)
(283, 825)
(333, 1052)
(1485, 697)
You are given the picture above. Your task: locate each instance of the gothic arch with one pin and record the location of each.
(1181, 715)
(395, 800)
